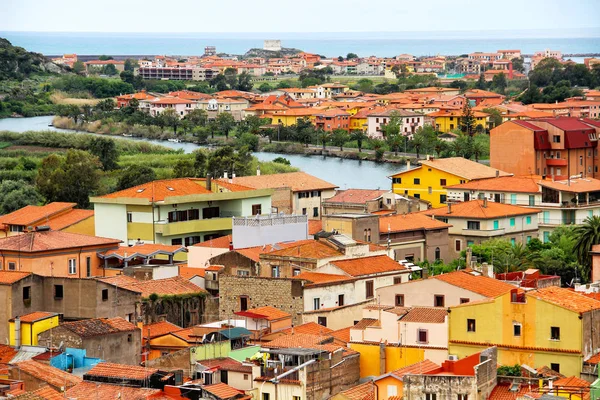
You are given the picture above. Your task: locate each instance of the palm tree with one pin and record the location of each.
(360, 137)
(439, 146)
(587, 235)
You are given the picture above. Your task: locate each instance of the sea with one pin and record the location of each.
(380, 44)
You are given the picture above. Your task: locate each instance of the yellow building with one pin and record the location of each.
(428, 181)
(289, 117)
(448, 120)
(30, 326)
(543, 327)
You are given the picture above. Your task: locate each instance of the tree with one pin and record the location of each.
(481, 83)
(225, 123)
(78, 67)
(478, 148)
(495, 116)
(360, 137)
(130, 65)
(439, 147)
(393, 126)
(200, 163)
(184, 169)
(323, 136)
(109, 69)
(230, 75)
(135, 175)
(169, 117)
(499, 83)
(227, 159)
(73, 177)
(105, 58)
(106, 151)
(304, 131)
(467, 119)
(197, 117)
(109, 104)
(339, 137)
(17, 194)
(351, 56)
(282, 160)
(517, 63)
(532, 95)
(264, 87)
(128, 77)
(587, 235)
(244, 82)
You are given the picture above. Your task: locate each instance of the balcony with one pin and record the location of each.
(166, 228)
(211, 285)
(270, 373)
(483, 232)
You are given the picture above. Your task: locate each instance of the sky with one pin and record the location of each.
(297, 16)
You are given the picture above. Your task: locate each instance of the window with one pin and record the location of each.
(457, 245)
(256, 209)
(241, 272)
(556, 139)
(470, 325)
(322, 321)
(513, 199)
(528, 220)
(315, 211)
(443, 198)
(210, 212)
(275, 271)
(192, 240)
(546, 217)
(422, 335)
(417, 181)
(245, 377)
(397, 180)
(438, 254)
(369, 289)
(473, 225)
(58, 292)
(429, 190)
(26, 293)
(16, 228)
(400, 300)
(430, 396)
(104, 294)
(496, 225)
(88, 266)
(555, 367)
(392, 390)
(517, 329)
(417, 196)
(464, 300)
(512, 222)
(129, 338)
(12, 266)
(316, 303)
(531, 200)
(129, 217)
(580, 160)
(296, 271)
(304, 211)
(554, 333)
(266, 396)
(438, 300)
(340, 300)
(243, 303)
(72, 266)
(442, 182)
(462, 397)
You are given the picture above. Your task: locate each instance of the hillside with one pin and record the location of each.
(285, 51)
(18, 63)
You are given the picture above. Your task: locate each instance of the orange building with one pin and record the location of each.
(332, 119)
(55, 253)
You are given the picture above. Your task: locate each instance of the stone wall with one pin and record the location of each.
(285, 294)
(331, 376)
(234, 261)
(177, 360)
(179, 310)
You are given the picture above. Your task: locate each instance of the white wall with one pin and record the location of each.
(268, 230)
(421, 293)
(111, 221)
(199, 256)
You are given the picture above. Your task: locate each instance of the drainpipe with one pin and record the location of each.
(17, 333)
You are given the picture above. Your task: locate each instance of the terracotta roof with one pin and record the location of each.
(409, 222)
(45, 393)
(480, 93)
(595, 359)
(98, 326)
(29, 215)
(364, 391)
(105, 391)
(10, 277)
(226, 364)
(160, 190)
(254, 253)
(434, 315)
(311, 328)
(356, 196)
(269, 313)
(215, 268)
(578, 185)
(572, 381)
(480, 284)
(111, 370)
(7, 353)
(297, 181)
(122, 281)
(475, 209)
(545, 371)
(514, 184)
(342, 334)
(222, 390)
(314, 226)
(189, 272)
(142, 250)
(511, 346)
(422, 367)
(296, 340)
(68, 219)
(565, 298)
(52, 376)
(502, 392)
(369, 265)
(35, 316)
(159, 329)
(162, 287)
(365, 322)
(171, 100)
(52, 240)
(218, 243)
(312, 249)
(321, 278)
(462, 167)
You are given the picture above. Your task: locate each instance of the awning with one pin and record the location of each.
(556, 162)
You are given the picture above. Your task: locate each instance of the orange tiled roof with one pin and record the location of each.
(71, 218)
(159, 329)
(311, 328)
(32, 242)
(409, 222)
(218, 243)
(502, 392)
(35, 316)
(461, 167)
(422, 367)
(310, 248)
(475, 209)
(482, 285)
(480, 93)
(10, 277)
(29, 215)
(314, 226)
(565, 298)
(321, 278)
(226, 364)
(122, 281)
(434, 315)
(514, 184)
(45, 393)
(578, 185)
(52, 376)
(105, 391)
(269, 313)
(511, 346)
(111, 370)
(364, 391)
(161, 190)
(7, 353)
(297, 181)
(298, 340)
(171, 100)
(369, 265)
(189, 272)
(365, 322)
(342, 334)
(98, 326)
(162, 287)
(222, 390)
(572, 381)
(356, 196)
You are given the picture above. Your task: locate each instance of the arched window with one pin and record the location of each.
(437, 253)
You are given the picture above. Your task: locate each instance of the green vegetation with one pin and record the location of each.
(18, 63)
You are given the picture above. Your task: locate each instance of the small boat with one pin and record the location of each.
(127, 135)
(51, 125)
(174, 140)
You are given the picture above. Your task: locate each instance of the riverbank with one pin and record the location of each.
(156, 133)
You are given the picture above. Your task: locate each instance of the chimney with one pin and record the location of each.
(449, 208)
(510, 70)
(225, 175)
(230, 246)
(485, 202)
(258, 171)
(17, 333)
(407, 165)
(427, 157)
(209, 182)
(497, 173)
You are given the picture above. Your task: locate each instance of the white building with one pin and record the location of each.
(410, 122)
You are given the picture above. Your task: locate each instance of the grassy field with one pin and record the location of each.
(63, 98)
(345, 79)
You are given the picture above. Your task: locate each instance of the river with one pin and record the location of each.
(344, 173)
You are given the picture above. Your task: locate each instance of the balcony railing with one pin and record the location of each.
(167, 228)
(483, 232)
(272, 373)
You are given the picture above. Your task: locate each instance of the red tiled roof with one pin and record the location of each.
(218, 243)
(565, 298)
(365, 322)
(189, 272)
(105, 391)
(162, 287)
(45, 393)
(312, 249)
(409, 222)
(299, 340)
(433, 315)
(52, 376)
(111, 370)
(475, 209)
(159, 329)
(10, 277)
(577, 185)
(572, 381)
(267, 312)
(297, 181)
(369, 265)
(514, 184)
(32, 242)
(68, 219)
(35, 316)
(342, 334)
(315, 226)
(460, 166)
(511, 346)
(321, 278)
(98, 327)
(226, 364)
(143, 250)
(355, 196)
(29, 215)
(222, 390)
(422, 367)
(311, 328)
(160, 190)
(364, 391)
(482, 285)
(502, 392)
(7, 353)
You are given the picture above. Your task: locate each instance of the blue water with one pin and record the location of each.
(328, 44)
